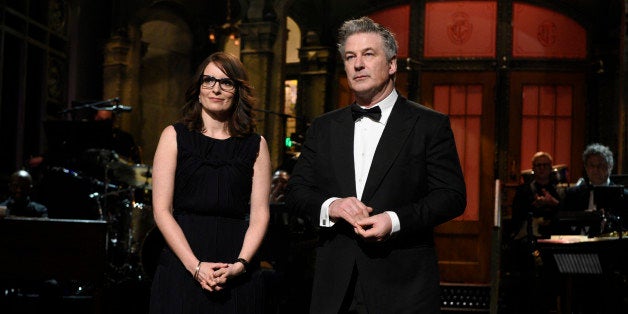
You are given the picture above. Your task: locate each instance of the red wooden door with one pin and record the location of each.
(546, 114)
(468, 99)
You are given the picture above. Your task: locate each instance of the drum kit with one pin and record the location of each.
(105, 186)
(86, 178)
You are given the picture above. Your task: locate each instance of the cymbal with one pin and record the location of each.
(104, 159)
(105, 154)
(137, 175)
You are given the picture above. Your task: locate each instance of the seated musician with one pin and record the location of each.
(19, 202)
(598, 164)
(536, 202)
(122, 141)
(533, 212)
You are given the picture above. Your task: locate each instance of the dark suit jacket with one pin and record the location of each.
(415, 172)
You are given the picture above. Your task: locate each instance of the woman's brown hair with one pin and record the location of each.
(242, 119)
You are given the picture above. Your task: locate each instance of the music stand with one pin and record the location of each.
(566, 220)
(578, 263)
(608, 197)
(586, 267)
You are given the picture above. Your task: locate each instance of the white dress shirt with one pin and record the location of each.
(591, 207)
(366, 136)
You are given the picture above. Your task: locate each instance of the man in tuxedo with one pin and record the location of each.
(598, 164)
(376, 177)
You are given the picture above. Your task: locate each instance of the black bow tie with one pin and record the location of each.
(374, 113)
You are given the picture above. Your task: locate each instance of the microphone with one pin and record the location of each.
(115, 105)
(115, 108)
(121, 108)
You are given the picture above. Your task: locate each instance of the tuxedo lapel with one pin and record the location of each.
(341, 133)
(398, 128)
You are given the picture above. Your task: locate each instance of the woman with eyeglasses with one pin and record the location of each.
(211, 186)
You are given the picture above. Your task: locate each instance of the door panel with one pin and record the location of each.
(468, 99)
(546, 114)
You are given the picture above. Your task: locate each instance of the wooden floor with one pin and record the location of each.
(287, 272)
(519, 293)
(129, 296)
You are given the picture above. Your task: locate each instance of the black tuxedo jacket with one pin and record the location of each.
(415, 172)
(577, 198)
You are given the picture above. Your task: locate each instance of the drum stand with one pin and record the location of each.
(119, 236)
(128, 213)
(130, 220)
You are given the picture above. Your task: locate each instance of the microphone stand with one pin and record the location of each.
(283, 117)
(94, 105)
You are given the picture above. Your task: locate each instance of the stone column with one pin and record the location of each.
(315, 93)
(262, 57)
(115, 64)
(120, 77)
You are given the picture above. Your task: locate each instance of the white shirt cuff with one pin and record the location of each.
(396, 226)
(324, 217)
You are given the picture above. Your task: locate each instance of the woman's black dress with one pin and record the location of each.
(211, 204)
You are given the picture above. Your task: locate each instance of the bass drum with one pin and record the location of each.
(142, 222)
(68, 194)
(152, 246)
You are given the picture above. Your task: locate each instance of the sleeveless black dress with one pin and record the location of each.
(211, 204)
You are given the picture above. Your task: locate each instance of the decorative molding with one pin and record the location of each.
(58, 16)
(56, 82)
(543, 33)
(460, 29)
(117, 50)
(258, 37)
(316, 59)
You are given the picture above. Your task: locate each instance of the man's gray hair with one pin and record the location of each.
(366, 25)
(601, 150)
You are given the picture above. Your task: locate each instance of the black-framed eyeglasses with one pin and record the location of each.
(599, 166)
(225, 84)
(542, 164)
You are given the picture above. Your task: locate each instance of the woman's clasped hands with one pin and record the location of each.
(214, 276)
